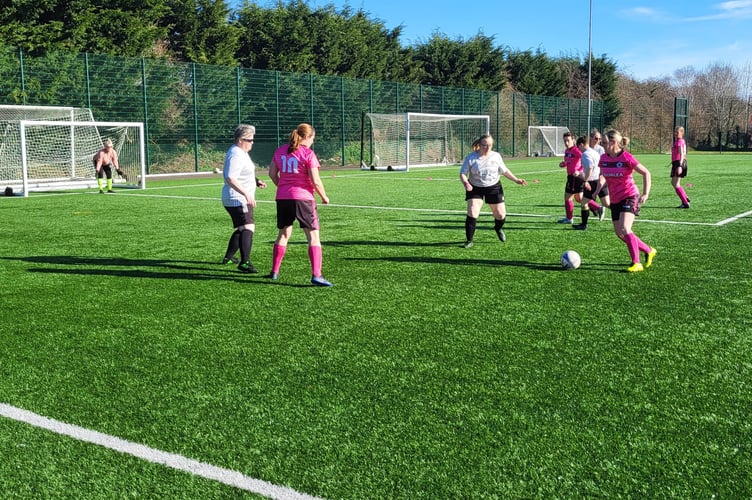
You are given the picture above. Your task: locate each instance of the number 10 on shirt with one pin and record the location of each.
(289, 164)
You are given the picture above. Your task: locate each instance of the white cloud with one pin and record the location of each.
(648, 13)
(733, 9)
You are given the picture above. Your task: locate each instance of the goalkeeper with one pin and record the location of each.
(104, 161)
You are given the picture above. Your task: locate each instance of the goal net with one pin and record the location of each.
(546, 141)
(47, 148)
(405, 140)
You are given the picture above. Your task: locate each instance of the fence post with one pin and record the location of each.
(238, 76)
(195, 118)
(88, 80)
(23, 76)
(310, 90)
(342, 107)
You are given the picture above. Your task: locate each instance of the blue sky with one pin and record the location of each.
(645, 38)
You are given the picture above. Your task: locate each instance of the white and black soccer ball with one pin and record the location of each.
(570, 260)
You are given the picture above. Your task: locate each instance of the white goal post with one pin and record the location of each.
(546, 140)
(401, 141)
(59, 154)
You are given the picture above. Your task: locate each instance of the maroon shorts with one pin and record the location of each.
(304, 211)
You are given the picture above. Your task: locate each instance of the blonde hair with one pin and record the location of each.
(301, 133)
(621, 140)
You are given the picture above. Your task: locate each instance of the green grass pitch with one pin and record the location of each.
(428, 370)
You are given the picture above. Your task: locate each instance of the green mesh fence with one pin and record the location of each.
(189, 110)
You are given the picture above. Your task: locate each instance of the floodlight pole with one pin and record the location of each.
(590, 68)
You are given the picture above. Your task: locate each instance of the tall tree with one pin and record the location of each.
(292, 37)
(718, 94)
(604, 78)
(474, 63)
(535, 73)
(83, 26)
(200, 31)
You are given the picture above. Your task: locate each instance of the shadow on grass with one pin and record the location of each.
(461, 262)
(161, 269)
(410, 244)
(537, 266)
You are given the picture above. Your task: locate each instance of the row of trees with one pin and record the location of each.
(291, 36)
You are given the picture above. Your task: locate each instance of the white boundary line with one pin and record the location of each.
(178, 462)
(733, 219)
(447, 211)
(405, 209)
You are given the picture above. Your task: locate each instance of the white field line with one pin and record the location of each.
(178, 462)
(374, 207)
(435, 210)
(734, 218)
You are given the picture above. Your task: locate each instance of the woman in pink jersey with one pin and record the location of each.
(679, 165)
(617, 166)
(574, 186)
(295, 171)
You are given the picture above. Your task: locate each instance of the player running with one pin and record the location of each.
(617, 166)
(480, 175)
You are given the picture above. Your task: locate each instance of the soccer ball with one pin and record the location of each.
(570, 260)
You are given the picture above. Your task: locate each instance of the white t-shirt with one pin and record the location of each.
(239, 166)
(483, 171)
(590, 159)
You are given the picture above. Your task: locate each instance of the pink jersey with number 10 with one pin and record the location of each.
(294, 178)
(618, 173)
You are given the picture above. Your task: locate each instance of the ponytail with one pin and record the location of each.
(301, 133)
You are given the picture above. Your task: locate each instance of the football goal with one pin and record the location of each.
(404, 140)
(546, 141)
(48, 148)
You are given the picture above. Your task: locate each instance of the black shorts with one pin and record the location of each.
(630, 205)
(590, 194)
(304, 211)
(106, 170)
(492, 194)
(675, 167)
(574, 185)
(241, 215)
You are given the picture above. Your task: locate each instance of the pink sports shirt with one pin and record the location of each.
(572, 160)
(618, 174)
(679, 150)
(294, 178)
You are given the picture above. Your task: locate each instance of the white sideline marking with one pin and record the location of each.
(215, 198)
(734, 218)
(179, 462)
